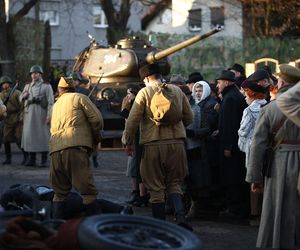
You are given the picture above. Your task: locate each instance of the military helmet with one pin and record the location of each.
(5, 79)
(36, 68)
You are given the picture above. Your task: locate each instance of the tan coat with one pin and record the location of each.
(75, 121)
(12, 130)
(289, 102)
(140, 114)
(2, 110)
(36, 134)
(281, 203)
(14, 107)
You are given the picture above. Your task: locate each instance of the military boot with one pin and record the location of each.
(31, 160)
(25, 157)
(44, 158)
(95, 161)
(193, 211)
(179, 211)
(158, 211)
(7, 154)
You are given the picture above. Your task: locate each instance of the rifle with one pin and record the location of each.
(10, 93)
(96, 85)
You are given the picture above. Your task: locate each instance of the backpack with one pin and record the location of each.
(164, 107)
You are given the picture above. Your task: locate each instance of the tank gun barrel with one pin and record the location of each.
(155, 56)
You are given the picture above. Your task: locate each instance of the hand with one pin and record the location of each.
(48, 120)
(257, 188)
(227, 153)
(26, 228)
(217, 107)
(25, 95)
(129, 150)
(215, 133)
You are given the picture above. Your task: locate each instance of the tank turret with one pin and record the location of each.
(120, 64)
(109, 70)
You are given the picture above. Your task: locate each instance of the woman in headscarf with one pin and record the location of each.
(204, 123)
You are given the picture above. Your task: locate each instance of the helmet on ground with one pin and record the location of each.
(5, 79)
(36, 68)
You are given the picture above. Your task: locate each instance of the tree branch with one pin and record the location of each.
(23, 11)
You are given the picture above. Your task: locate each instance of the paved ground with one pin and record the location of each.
(115, 186)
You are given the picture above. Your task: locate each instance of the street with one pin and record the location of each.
(113, 185)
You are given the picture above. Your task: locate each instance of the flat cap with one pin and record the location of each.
(258, 75)
(148, 70)
(252, 85)
(65, 82)
(226, 75)
(289, 73)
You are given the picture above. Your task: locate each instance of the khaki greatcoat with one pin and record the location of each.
(279, 226)
(36, 134)
(288, 103)
(12, 131)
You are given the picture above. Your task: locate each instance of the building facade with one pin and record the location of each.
(71, 21)
(198, 17)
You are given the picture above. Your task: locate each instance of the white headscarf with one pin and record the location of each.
(205, 93)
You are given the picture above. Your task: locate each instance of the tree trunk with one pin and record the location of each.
(7, 45)
(117, 20)
(47, 51)
(7, 64)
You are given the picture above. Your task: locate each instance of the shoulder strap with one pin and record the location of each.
(10, 93)
(275, 131)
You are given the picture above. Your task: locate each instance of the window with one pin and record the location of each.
(55, 54)
(51, 16)
(217, 16)
(195, 21)
(99, 17)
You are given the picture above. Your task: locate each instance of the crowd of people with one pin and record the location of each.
(233, 151)
(229, 146)
(26, 120)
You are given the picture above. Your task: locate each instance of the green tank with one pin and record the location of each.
(109, 70)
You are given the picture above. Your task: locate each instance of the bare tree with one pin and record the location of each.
(117, 19)
(7, 37)
(269, 18)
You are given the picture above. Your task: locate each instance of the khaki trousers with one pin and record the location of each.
(71, 168)
(163, 168)
(13, 134)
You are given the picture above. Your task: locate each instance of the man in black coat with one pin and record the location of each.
(232, 160)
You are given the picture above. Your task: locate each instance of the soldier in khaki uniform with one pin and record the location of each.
(163, 163)
(12, 130)
(75, 129)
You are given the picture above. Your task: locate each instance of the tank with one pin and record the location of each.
(109, 70)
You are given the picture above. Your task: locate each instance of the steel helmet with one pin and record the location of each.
(5, 79)
(36, 68)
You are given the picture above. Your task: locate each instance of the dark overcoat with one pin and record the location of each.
(231, 111)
